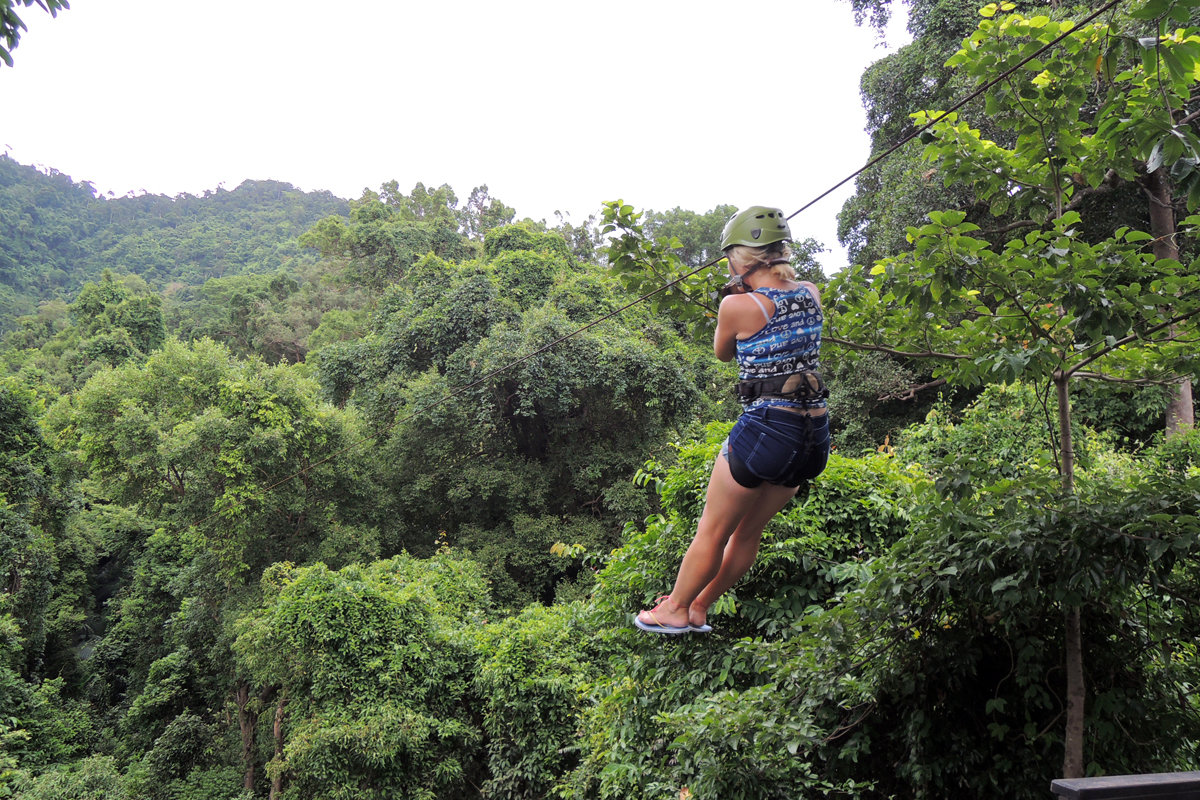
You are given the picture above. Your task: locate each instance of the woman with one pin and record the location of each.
(772, 324)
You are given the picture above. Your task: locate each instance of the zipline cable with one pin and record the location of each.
(516, 362)
(983, 88)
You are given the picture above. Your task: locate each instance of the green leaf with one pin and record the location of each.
(1180, 13)
(1193, 192)
(1153, 9)
(1172, 149)
(1182, 168)
(1174, 65)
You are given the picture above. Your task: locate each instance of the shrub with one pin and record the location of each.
(531, 671)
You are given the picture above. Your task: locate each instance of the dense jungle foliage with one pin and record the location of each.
(296, 502)
(59, 234)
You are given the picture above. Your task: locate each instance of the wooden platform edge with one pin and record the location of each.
(1165, 785)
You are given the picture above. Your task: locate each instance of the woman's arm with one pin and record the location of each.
(738, 317)
(725, 338)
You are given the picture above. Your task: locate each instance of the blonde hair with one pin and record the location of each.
(742, 255)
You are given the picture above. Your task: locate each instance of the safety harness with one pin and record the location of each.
(807, 388)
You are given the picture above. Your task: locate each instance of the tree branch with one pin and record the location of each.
(1190, 117)
(911, 392)
(892, 352)
(1133, 337)
(1036, 330)
(1009, 228)
(1100, 376)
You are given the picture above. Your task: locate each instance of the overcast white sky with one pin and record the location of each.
(554, 105)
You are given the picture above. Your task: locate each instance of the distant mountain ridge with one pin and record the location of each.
(56, 234)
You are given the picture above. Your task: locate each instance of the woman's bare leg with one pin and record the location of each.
(742, 548)
(726, 502)
(724, 547)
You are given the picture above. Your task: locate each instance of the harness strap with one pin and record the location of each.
(759, 266)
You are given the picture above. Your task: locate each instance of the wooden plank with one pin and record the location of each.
(1158, 786)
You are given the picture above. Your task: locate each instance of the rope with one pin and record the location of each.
(516, 362)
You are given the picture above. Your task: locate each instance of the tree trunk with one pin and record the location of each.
(1076, 691)
(1076, 695)
(246, 723)
(1066, 467)
(1180, 414)
(277, 772)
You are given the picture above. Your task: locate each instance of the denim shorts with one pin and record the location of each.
(777, 446)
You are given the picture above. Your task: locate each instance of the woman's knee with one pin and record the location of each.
(746, 538)
(715, 530)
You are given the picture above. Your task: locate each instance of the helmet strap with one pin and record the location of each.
(737, 283)
(758, 266)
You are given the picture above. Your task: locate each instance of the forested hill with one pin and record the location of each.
(59, 233)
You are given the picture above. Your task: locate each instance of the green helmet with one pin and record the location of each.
(756, 226)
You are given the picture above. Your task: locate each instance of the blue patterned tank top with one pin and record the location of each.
(790, 342)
